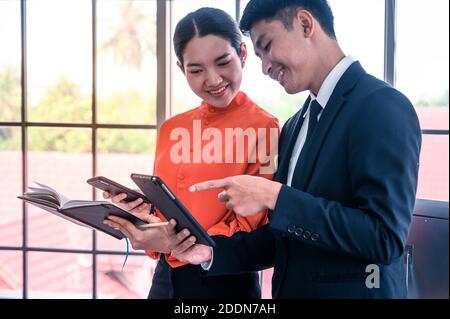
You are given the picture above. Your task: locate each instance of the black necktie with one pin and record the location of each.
(314, 110)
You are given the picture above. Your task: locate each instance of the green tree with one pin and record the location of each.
(126, 141)
(63, 103)
(441, 100)
(10, 104)
(142, 110)
(68, 140)
(10, 94)
(9, 139)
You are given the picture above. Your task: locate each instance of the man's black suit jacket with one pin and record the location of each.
(350, 203)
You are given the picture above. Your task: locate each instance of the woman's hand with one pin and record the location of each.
(190, 252)
(162, 239)
(138, 206)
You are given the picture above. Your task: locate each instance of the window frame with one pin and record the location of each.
(164, 108)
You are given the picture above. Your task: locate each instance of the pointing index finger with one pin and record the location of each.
(208, 185)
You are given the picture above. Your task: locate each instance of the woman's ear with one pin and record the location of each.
(243, 53)
(180, 66)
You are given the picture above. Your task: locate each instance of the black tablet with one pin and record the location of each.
(165, 201)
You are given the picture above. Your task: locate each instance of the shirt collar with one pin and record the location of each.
(239, 100)
(331, 81)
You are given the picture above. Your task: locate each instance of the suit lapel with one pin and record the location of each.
(288, 145)
(306, 162)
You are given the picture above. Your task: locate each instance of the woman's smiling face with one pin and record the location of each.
(213, 69)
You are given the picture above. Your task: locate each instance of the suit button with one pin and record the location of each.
(291, 229)
(306, 234)
(181, 177)
(299, 231)
(315, 237)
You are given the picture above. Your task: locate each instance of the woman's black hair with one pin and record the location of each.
(203, 22)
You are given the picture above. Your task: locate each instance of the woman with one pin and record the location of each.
(198, 145)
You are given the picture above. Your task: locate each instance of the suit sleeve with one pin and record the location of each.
(383, 154)
(243, 252)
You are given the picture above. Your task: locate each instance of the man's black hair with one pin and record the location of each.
(284, 11)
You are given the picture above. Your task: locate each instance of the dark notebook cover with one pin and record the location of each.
(85, 213)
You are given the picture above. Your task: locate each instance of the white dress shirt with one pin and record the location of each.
(323, 96)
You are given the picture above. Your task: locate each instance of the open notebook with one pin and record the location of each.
(82, 212)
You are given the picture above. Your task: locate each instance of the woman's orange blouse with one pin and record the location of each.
(183, 158)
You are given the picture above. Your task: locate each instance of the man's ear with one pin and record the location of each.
(243, 53)
(306, 22)
(180, 66)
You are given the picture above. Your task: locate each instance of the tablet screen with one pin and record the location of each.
(166, 202)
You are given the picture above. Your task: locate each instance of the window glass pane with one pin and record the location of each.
(132, 283)
(182, 97)
(266, 285)
(11, 274)
(361, 35)
(126, 57)
(433, 173)
(422, 59)
(120, 153)
(433, 117)
(11, 171)
(59, 60)
(61, 159)
(10, 94)
(59, 276)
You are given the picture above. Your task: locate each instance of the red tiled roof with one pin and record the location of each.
(51, 272)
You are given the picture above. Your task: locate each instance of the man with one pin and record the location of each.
(342, 200)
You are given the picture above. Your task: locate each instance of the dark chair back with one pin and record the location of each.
(426, 255)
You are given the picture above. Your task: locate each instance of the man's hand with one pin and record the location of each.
(246, 195)
(157, 239)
